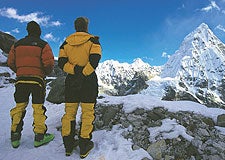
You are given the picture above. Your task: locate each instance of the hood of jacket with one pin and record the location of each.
(78, 38)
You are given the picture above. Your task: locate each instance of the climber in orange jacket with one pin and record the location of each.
(31, 59)
(79, 56)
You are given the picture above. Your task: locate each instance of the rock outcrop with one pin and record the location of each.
(6, 41)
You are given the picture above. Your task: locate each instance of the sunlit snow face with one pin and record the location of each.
(3, 58)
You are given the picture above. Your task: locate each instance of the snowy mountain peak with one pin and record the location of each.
(202, 27)
(201, 37)
(138, 61)
(138, 64)
(199, 66)
(201, 51)
(112, 73)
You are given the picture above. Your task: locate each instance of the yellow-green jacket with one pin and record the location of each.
(81, 49)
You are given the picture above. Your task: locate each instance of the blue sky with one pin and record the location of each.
(148, 29)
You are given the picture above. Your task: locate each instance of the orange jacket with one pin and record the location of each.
(31, 56)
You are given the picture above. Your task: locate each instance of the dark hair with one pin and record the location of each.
(81, 24)
(33, 28)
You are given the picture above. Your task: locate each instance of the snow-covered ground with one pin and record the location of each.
(109, 145)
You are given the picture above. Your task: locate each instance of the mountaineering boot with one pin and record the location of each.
(70, 149)
(86, 146)
(15, 139)
(41, 139)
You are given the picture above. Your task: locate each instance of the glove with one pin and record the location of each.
(78, 69)
(80, 77)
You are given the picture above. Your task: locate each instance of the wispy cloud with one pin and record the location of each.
(183, 26)
(182, 7)
(147, 58)
(165, 55)
(50, 37)
(36, 16)
(16, 30)
(211, 6)
(220, 27)
(56, 23)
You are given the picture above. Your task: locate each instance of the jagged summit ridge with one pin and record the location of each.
(113, 74)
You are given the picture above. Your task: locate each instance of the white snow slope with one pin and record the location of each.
(109, 145)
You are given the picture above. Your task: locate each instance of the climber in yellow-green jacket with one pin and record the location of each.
(79, 56)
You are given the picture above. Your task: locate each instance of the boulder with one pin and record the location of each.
(221, 120)
(56, 94)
